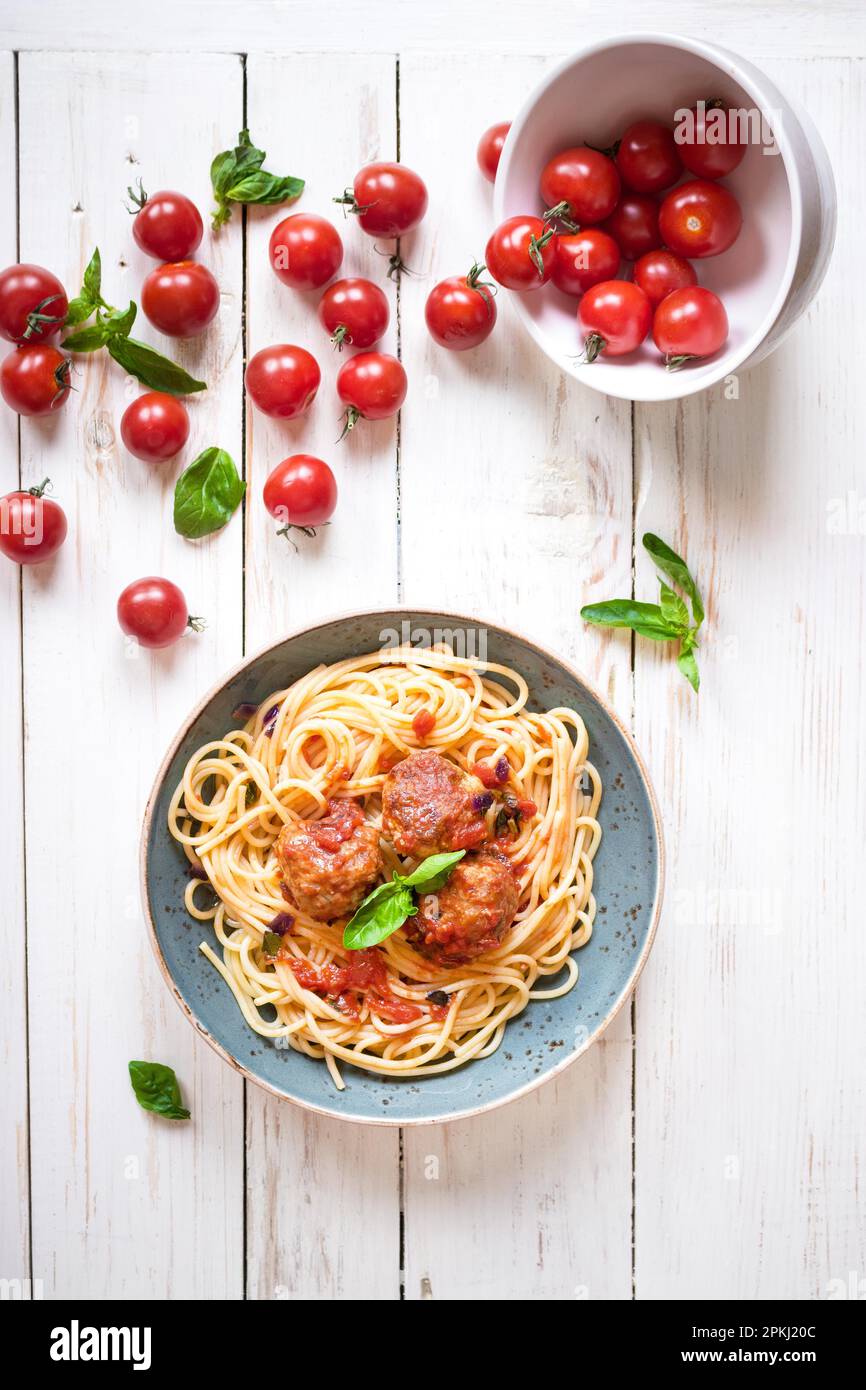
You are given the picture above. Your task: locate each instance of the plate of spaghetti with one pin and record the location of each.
(402, 866)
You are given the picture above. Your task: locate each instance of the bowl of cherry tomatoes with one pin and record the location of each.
(663, 214)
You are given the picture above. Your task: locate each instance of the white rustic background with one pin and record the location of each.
(712, 1144)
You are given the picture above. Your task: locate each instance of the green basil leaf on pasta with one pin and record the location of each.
(207, 494)
(379, 916)
(271, 943)
(156, 1088)
(676, 569)
(434, 872)
(151, 368)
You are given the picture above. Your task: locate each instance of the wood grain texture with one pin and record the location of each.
(800, 28)
(516, 505)
(14, 1162)
(750, 1083)
(124, 1204)
(314, 1186)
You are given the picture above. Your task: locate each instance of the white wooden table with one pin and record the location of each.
(712, 1144)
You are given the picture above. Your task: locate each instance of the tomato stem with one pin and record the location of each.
(340, 336)
(396, 266)
(594, 344)
(138, 199)
(38, 491)
(674, 361)
(562, 213)
(36, 317)
(196, 624)
(536, 246)
(309, 531)
(350, 203)
(474, 280)
(353, 415)
(609, 151)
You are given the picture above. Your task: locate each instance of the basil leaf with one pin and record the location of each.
(644, 618)
(93, 278)
(271, 943)
(151, 368)
(156, 1088)
(207, 495)
(434, 872)
(676, 569)
(237, 177)
(673, 609)
(689, 667)
(79, 310)
(379, 916)
(87, 339)
(120, 321)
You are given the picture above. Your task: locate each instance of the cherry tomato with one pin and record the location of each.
(167, 225)
(33, 304)
(584, 183)
(634, 225)
(689, 323)
(647, 157)
(700, 219)
(282, 380)
(460, 311)
(305, 250)
(35, 380)
(301, 492)
(659, 273)
(489, 150)
(521, 253)
(32, 526)
(154, 611)
(713, 148)
(355, 312)
(388, 199)
(584, 259)
(373, 387)
(180, 298)
(614, 318)
(155, 426)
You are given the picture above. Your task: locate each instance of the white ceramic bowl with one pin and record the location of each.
(777, 263)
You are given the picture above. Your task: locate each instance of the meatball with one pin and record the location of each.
(329, 865)
(470, 914)
(430, 806)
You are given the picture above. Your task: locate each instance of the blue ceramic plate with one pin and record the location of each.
(549, 1034)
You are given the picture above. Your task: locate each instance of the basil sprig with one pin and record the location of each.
(207, 494)
(238, 177)
(388, 906)
(111, 329)
(156, 1088)
(665, 621)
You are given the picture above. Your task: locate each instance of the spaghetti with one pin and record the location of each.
(337, 732)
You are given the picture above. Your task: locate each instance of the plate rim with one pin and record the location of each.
(387, 1120)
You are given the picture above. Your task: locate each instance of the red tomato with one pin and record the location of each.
(460, 311)
(689, 323)
(180, 298)
(659, 273)
(388, 199)
(354, 312)
(32, 527)
(713, 147)
(282, 380)
(521, 252)
(305, 250)
(614, 318)
(584, 259)
(301, 492)
(489, 150)
(634, 225)
(372, 386)
(647, 157)
(167, 225)
(155, 427)
(35, 380)
(33, 304)
(583, 183)
(154, 611)
(700, 219)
